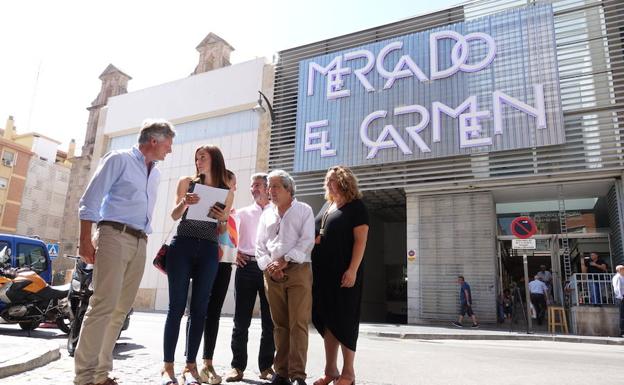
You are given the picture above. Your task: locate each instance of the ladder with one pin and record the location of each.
(565, 242)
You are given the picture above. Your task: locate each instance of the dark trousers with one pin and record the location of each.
(621, 305)
(219, 290)
(196, 259)
(249, 282)
(539, 302)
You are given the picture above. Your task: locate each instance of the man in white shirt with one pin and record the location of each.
(618, 289)
(546, 277)
(283, 245)
(539, 291)
(249, 283)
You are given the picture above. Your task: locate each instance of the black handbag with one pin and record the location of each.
(160, 260)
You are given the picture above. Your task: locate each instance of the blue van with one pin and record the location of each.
(24, 251)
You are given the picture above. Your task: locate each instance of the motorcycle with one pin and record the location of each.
(26, 299)
(80, 291)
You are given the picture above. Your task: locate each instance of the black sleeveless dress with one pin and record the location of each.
(336, 308)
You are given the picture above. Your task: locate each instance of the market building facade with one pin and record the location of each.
(217, 104)
(455, 123)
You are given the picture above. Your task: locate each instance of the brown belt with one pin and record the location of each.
(124, 229)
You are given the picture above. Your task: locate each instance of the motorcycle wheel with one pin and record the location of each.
(74, 329)
(64, 324)
(29, 325)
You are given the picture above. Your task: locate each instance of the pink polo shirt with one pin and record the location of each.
(248, 218)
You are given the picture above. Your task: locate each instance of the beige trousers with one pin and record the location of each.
(291, 309)
(119, 265)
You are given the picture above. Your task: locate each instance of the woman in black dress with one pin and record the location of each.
(342, 230)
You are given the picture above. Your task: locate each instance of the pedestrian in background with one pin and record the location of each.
(546, 277)
(249, 284)
(465, 302)
(618, 290)
(593, 266)
(120, 198)
(539, 297)
(228, 242)
(193, 255)
(283, 244)
(342, 232)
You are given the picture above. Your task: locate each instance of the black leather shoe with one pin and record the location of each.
(279, 380)
(299, 381)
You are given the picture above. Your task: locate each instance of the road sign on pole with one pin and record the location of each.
(53, 250)
(523, 227)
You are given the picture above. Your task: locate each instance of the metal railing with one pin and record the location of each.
(590, 289)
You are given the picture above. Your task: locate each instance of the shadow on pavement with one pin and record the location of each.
(254, 382)
(123, 350)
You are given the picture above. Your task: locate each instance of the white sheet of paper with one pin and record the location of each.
(208, 196)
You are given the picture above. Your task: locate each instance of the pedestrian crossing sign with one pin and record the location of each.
(53, 250)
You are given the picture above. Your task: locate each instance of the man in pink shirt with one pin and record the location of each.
(248, 283)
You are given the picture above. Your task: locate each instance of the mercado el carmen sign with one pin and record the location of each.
(488, 84)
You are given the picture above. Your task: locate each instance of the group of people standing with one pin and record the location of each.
(303, 268)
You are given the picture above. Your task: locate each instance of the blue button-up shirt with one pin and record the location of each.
(121, 190)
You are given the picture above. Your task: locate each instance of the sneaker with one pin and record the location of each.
(457, 324)
(474, 326)
(267, 374)
(234, 375)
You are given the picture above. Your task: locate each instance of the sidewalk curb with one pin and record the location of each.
(497, 337)
(35, 359)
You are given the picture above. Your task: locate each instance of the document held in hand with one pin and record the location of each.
(208, 196)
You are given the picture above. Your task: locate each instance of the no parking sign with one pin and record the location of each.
(523, 227)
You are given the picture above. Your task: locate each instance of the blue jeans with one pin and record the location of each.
(196, 259)
(595, 296)
(249, 282)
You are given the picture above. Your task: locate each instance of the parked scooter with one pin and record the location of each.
(80, 291)
(26, 299)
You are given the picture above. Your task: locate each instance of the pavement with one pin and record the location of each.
(21, 352)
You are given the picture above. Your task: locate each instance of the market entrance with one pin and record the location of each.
(582, 216)
(548, 253)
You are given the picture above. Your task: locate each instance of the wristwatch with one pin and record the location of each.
(223, 222)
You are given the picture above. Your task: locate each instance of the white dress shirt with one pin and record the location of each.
(248, 218)
(290, 236)
(618, 285)
(537, 287)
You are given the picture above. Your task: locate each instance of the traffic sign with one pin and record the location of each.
(523, 244)
(523, 227)
(53, 250)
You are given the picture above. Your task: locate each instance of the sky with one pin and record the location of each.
(52, 52)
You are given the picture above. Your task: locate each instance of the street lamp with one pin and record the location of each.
(260, 106)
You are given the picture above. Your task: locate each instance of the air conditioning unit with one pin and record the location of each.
(7, 163)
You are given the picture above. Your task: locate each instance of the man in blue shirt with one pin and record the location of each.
(120, 198)
(465, 300)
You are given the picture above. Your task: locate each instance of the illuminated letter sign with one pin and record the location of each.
(476, 86)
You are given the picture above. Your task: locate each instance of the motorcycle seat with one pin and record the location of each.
(64, 287)
(55, 292)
